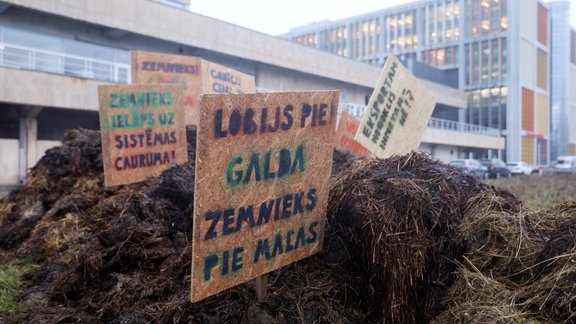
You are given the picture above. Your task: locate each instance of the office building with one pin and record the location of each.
(501, 47)
(562, 81)
(54, 54)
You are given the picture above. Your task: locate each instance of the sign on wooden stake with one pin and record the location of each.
(263, 164)
(142, 131)
(397, 114)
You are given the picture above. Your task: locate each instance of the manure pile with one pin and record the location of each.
(408, 240)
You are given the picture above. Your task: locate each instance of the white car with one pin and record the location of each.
(564, 164)
(517, 168)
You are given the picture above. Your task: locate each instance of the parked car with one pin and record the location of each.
(472, 167)
(564, 164)
(518, 168)
(496, 168)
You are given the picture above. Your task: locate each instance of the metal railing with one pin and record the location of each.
(21, 57)
(358, 111)
(462, 127)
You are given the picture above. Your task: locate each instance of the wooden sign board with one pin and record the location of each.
(397, 114)
(345, 133)
(195, 75)
(218, 78)
(185, 71)
(263, 163)
(142, 131)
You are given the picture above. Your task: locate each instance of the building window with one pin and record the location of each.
(542, 78)
(573, 47)
(50, 53)
(542, 25)
(528, 149)
(475, 64)
(503, 15)
(527, 110)
(495, 61)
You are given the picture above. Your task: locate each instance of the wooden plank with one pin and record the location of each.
(261, 287)
(142, 131)
(347, 127)
(397, 114)
(263, 164)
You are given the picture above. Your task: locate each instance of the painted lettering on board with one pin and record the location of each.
(262, 169)
(142, 131)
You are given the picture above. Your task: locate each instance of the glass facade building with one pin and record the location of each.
(563, 81)
(501, 47)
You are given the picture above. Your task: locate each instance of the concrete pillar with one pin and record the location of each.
(22, 141)
(31, 141)
(28, 139)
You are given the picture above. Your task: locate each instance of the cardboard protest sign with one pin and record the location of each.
(263, 163)
(142, 131)
(195, 75)
(345, 133)
(397, 114)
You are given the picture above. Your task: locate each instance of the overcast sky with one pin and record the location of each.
(277, 17)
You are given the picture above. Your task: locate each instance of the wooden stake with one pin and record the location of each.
(261, 287)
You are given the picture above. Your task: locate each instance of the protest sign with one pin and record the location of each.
(142, 131)
(263, 164)
(397, 114)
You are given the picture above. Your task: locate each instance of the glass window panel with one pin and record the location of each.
(504, 64)
(495, 65)
(32, 39)
(467, 65)
(475, 64)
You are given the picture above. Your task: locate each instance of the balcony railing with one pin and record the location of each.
(22, 57)
(462, 127)
(358, 111)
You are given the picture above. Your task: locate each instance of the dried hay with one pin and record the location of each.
(528, 260)
(499, 237)
(398, 217)
(476, 298)
(553, 292)
(57, 240)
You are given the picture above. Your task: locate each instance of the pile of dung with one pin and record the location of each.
(123, 254)
(520, 266)
(408, 239)
(67, 178)
(393, 222)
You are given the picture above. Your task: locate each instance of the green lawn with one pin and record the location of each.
(11, 271)
(538, 192)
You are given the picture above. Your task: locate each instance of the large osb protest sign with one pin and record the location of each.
(347, 127)
(195, 75)
(263, 164)
(397, 113)
(142, 131)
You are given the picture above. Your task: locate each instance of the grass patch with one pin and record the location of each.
(11, 271)
(537, 192)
